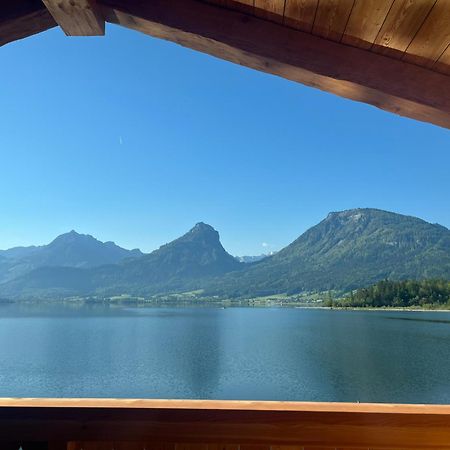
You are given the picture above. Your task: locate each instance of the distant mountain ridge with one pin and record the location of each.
(188, 262)
(67, 250)
(179, 265)
(346, 250)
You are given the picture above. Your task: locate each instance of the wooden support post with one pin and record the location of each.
(77, 17)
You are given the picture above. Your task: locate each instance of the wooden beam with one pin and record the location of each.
(19, 20)
(77, 17)
(396, 86)
(336, 425)
(233, 405)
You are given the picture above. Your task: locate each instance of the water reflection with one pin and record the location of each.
(240, 353)
(200, 350)
(420, 319)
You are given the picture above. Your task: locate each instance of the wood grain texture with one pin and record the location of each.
(218, 29)
(270, 9)
(331, 18)
(300, 14)
(234, 405)
(286, 447)
(245, 6)
(433, 36)
(222, 447)
(365, 22)
(148, 446)
(401, 25)
(117, 445)
(23, 19)
(343, 70)
(199, 425)
(77, 17)
(443, 63)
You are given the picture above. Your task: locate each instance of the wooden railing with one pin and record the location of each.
(106, 424)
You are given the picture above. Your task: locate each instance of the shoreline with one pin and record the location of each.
(382, 308)
(219, 305)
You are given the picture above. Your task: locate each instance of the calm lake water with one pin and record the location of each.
(234, 353)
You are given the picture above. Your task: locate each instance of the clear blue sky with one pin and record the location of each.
(133, 139)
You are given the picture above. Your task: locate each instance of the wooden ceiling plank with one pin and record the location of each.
(77, 17)
(433, 37)
(443, 63)
(238, 5)
(331, 18)
(347, 71)
(401, 25)
(365, 22)
(242, 2)
(23, 20)
(300, 14)
(270, 9)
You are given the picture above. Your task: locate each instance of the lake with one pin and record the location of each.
(233, 353)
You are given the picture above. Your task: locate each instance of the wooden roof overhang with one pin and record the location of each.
(393, 54)
(77, 424)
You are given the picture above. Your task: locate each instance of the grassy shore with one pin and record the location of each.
(249, 303)
(197, 299)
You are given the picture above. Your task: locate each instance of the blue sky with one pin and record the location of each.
(134, 140)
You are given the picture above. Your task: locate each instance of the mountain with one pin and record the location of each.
(67, 250)
(81, 250)
(347, 250)
(49, 282)
(197, 253)
(183, 264)
(17, 252)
